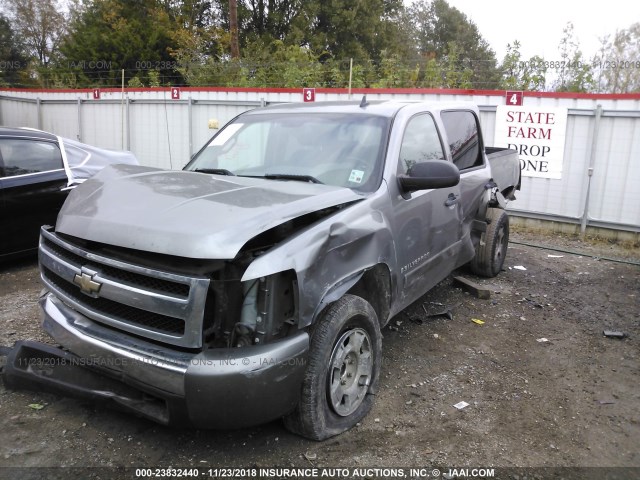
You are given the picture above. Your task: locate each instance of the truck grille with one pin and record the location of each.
(158, 305)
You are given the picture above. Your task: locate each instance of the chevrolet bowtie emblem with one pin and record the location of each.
(85, 281)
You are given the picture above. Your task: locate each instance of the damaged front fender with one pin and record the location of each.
(331, 256)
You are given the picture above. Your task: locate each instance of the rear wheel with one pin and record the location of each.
(492, 249)
(342, 375)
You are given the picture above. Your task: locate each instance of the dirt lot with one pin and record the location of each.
(573, 400)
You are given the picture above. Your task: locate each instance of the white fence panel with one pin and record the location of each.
(616, 175)
(102, 125)
(19, 114)
(164, 133)
(564, 197)
(160, 134)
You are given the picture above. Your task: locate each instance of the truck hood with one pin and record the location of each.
(187, 214)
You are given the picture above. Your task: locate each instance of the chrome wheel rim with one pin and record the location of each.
(501, 247)
(350, 371)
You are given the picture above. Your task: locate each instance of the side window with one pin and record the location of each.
(21, 157)
(420, 143)
(464, 138)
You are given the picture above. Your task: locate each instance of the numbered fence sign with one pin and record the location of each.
(175, 93)
(96, 94)
(309, 94)
(514, 98)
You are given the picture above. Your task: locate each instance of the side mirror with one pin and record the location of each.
(430, 174)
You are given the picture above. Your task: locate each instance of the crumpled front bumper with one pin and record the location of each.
(218, 388)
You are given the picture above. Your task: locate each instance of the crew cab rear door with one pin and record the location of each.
(462, 130)
(427, 223)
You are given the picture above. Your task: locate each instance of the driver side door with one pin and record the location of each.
(427, 223)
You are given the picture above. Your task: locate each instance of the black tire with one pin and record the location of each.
(333, 400)
(492, 249)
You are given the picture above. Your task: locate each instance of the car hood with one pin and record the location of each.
(187, 214)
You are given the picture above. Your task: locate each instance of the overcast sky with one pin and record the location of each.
(538, 25)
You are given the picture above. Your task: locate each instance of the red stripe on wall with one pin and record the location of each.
(402, 91)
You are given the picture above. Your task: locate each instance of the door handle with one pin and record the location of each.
(452, 199)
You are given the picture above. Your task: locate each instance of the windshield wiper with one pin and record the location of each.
(215, 171)
(290, 176)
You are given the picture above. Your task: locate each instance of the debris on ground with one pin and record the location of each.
(532, 302)
(478, 321)
(578, 369)
(614, 334)
(473, 288)
(443, 312)
(461, 405)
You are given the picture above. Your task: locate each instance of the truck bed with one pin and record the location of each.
(505, 169)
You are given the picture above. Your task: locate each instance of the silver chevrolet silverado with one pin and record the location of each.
(253, 284)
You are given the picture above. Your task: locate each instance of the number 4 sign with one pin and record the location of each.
(514, 98)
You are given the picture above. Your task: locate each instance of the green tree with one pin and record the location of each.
(198, 37)
(521, 74)
(455, 75)
(272, 19)
(359, 29)
(317, 37)
(109, 35)
(14, 59)
(395, 73)
(436, 26)
(339, 29)
(617, 64)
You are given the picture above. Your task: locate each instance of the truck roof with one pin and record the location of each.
(386, 108)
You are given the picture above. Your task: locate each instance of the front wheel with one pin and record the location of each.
(492, 249)
(343, 371)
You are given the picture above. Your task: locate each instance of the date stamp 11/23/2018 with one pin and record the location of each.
(598, 64)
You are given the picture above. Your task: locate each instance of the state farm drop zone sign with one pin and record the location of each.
(537, 133)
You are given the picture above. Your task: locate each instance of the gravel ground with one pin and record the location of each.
(545, 388)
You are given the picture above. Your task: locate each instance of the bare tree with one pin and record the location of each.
(618, 62)
(40, 25)
(575, 73)
(233, 26)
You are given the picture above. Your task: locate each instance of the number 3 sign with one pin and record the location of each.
(514, 98)
(309, 94)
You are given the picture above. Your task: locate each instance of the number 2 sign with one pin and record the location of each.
(514, 98)
(309, 94)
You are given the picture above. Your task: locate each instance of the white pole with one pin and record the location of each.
(122, 108)
(350, 76)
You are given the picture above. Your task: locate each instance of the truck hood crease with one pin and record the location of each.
(176, 216)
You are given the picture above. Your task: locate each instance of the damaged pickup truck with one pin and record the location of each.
(253, 284)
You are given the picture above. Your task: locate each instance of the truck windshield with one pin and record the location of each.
(334, 149)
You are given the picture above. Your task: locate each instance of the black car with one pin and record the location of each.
(37, 171)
